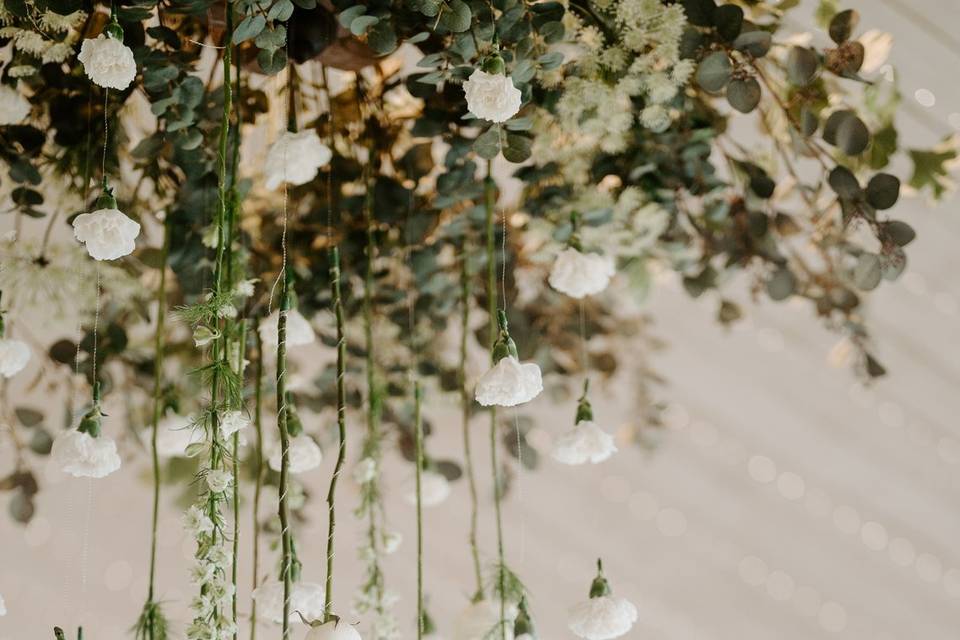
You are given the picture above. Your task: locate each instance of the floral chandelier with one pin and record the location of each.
(380, 230)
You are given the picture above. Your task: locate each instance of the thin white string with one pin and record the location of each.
(283, 236)
(583, 340)
(96, 325)
(106, 131)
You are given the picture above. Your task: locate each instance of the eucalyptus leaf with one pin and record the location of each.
(728, 19)
(853, 136)
(842, 25)
(360, 24)
(456, 16)
(487, 144)
(883, 191)
(781, 284)
(868, 272)
(844, 183)
(347, 16)
(714, 72)
(743, 94)
(249, 27)
(802, 65)
(899, 232)
(517, 147)
(756, 43)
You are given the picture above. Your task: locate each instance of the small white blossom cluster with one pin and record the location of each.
(595, 112)
(54, 44)
(211, 570)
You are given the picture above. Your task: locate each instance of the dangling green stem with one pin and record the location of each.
(235, 471)
(465, 404)
(157, 414)
(490, 200)
(282, 413)
(341, 423)
(258, 462)
(418, 434)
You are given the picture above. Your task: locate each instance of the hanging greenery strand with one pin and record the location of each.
(258, 474)
(341, 426)
(418, 437)
(286, 565)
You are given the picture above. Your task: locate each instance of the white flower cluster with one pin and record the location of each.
(295, 158)
(107, 233)
(84, 456)
(108, 62)
(210, 574)
(595, 111)
(509, 383)
(492, 96)
(579, 274)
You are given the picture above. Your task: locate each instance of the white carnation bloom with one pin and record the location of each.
(233, 421)
(196, 521)
(333, 630)
(581, 274)
(509, 383)
(174, 434)
(479, 621)
(219, 480)
(586, 442)
(295, 158)
(434, 488)
(14, 108)
(299, 330)
(492, 96)
(83, 456)
(306, 599)
(304, 454)
(108, 62)
(14, 356)
(107, 233)
(602, 618)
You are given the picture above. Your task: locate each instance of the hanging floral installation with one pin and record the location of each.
(433, 198)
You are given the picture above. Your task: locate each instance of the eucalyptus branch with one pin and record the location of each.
(258, 472)
(282, 415)
(465, 405)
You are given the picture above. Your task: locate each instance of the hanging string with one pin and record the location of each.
(106, 133)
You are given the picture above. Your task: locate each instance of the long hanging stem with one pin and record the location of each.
(465, 403)
(235, 471)
(341, 424)
(418, 434)
(490, 200)
(286, 563)
(157, 411)
(258, 462)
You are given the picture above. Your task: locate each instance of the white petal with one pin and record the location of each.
(581, 274)
(586, 442)
(602, 618)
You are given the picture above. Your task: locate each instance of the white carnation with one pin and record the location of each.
(602, 618)
(586, 442)
(219, 480)
(299, 330)
(107, 233)
(434, 489)
(174, 434)
(480, 620)
(492, 96)
(14, 356)
(509, 383)
(579, 274)
(337, 629)
(304, 455)
(295, 158)
(233, 421)
(306, 599)
(108, 62)
(14, 108)
(83, 456)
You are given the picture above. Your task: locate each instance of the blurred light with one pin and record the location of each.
(846, 519)
(770, 340)
(817, 503)
(925, 97)
(929, 567)
(807, 600)
(954, 120)
(615, 489)
(891, 414)
(790, 485)
(901, 552)
(643, 505)
(874, 536)
(703, 434)
(951, 582)
(780, 586)
(762, 469)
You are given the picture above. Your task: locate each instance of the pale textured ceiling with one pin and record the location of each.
(784, 502)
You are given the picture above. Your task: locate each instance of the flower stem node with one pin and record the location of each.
(494, 65)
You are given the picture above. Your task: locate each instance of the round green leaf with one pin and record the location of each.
(728, 19)
(883, 190)
(755, 43)
(898, 232)
(781, 284)
(744, 94)
(844, 183)
(842, 25)
(853, 137)
(802, 65)
(487, 144)
(868, 272)
(714, 71)
(809, 122)
(833, 122)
